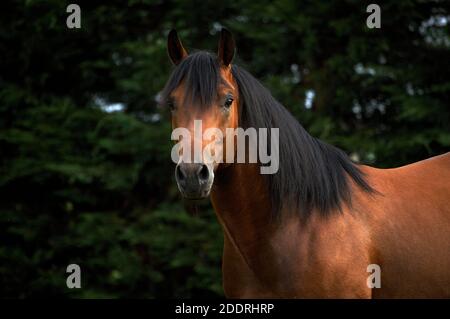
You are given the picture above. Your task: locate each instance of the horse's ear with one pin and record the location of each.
(227, 47)
(176, 50)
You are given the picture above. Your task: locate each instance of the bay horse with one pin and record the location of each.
(312, 229)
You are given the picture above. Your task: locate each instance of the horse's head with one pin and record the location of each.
(201, 87)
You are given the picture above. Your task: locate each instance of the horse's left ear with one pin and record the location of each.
(227, 47)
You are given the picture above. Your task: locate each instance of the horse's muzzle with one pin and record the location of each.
(194, 180)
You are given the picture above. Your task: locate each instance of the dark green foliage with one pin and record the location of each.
(81, 185)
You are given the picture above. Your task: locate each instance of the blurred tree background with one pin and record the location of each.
(86, 175)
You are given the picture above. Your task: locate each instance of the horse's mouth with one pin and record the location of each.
(195, 197)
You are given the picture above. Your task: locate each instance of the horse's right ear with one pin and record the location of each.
(176, 50)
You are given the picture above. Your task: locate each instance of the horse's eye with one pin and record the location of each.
(171, 105)
(228, 102)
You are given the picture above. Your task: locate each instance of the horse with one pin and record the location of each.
(316, 227)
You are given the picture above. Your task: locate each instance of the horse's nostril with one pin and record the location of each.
(179, 173)
(204, 173)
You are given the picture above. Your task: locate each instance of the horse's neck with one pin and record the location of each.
(242, 204)
(240, 199)
(277, 255)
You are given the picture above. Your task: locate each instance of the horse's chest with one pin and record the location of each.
(308, 268)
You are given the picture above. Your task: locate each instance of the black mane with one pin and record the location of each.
(312, 175)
